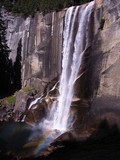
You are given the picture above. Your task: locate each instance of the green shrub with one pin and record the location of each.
(11, 99)
(8, 100)
(28, 90)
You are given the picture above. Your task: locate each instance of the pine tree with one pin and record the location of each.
(17, 68)
(5, 65)
(29, 7)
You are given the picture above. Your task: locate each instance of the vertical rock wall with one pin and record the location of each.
(105, 61)
(41, 45)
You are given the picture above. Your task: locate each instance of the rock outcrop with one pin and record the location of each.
(41, 44)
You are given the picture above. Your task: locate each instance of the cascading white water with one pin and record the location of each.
(72, 58)
(75, 42)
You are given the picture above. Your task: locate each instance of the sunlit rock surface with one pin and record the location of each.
(41, 44)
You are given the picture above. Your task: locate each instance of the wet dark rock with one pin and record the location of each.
(103, 144)
(36, 113)
(19, 139)
(6, 113)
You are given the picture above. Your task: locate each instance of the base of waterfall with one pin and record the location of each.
(103, 143)
(22, 140)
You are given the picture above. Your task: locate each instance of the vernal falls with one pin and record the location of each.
(75, 42)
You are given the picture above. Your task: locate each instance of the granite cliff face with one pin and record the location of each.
(105, 61)
(42, 41)
(41, 45)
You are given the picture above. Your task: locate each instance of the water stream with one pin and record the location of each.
(75, 42)
(73, 50)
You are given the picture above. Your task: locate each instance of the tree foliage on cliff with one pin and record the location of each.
(5, 62)
(27, 7)
(17, 67)
(10, 75)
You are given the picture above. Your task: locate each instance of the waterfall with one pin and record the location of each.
(75, 42)
(73, 50)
